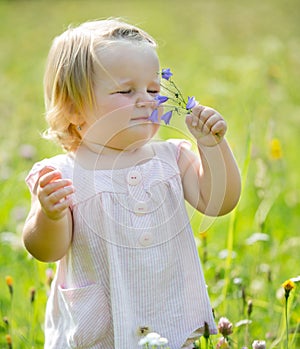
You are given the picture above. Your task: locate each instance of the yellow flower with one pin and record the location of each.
(288, 285)
(203, 234)
(9, 280)
(9, 283)
(275, 149)
(8, 339)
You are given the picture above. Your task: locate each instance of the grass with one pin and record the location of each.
(242, 59)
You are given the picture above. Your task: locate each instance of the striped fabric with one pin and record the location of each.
(133, 263)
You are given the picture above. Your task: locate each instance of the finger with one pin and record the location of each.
(46, 169)
(195, 115)
(206, 114)
(219, 128)
(194, 120)
(59, 194)
(58, 210)
(54, 192)
(210, 122)
(188, 120)
(56, 185)
(49, 175)
(63, 205)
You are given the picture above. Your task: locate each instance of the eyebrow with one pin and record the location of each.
(130, 81)
(124, 82)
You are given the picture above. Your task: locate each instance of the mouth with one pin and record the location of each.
(141, 118)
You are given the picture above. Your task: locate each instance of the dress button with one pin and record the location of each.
(140, 208)
(146, 239)
(134, 178)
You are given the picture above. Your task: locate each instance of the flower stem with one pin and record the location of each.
(180, 99)
(286, 321)
(175, 108)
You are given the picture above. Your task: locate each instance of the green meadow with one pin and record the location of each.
(239, 57)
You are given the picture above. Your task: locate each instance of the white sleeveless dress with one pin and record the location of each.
(133, 262)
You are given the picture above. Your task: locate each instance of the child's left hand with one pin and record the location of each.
(206, 125)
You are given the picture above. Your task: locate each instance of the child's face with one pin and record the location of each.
(125, 88)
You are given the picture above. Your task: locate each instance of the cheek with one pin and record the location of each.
(118, 109)
(109, 122)
(115, 102)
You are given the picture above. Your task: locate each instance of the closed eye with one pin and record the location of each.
(124, 92)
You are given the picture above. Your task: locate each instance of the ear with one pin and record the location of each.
(74, 116)
(75, 119)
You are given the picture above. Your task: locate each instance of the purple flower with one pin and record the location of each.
(154, 116)
(225, 326)
(161, 99)
(167, 117)
(190, 103)
(166, 73)
(176, 100)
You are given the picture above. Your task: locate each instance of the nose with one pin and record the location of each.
(145, 101)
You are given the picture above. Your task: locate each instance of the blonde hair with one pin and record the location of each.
(69, 75)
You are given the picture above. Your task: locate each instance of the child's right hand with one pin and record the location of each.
(53, 193)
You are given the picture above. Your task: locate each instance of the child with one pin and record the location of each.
(111, 211)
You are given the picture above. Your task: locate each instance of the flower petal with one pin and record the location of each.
(161, 99)
(225, 327)
(258, 344)
(154, 116)
(295, 279)
(143, 341)
(166, 73)
(167, 117)
(288, 285)
(152, 335)
(162, 341)
(190, 103)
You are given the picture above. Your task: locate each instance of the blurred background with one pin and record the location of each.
(241, 58)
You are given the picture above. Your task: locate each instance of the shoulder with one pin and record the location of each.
(62, 162)
(172, 147)
(185, 157)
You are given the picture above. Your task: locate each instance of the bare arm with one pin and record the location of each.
(211, 182)
(47, 232)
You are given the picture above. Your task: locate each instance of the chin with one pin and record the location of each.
(134, 138)
(129, 146)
